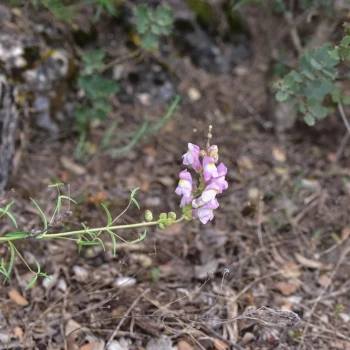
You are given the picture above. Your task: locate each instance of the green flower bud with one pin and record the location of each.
(163, 216)
(172, 215)
(148, 215)
(162, 226)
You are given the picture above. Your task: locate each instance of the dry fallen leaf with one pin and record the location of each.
(93, 346)
(18, 332)
(345, 233)
(16, 297)
(97, 199)
(286, 288)
(72, 331)
(290, 270)
(312, 264)
(220, 345)
(183, 345)
(279, 155)
(324, 281)
(244, 162)
(71, 166)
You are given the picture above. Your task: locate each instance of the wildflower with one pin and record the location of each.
(221, 183)
(185, 201)
(185, 184)
(205, 213)
(201, 204)
(209, 168)
(192, 157)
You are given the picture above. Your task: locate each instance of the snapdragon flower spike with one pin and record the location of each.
(205, 213)
(192, 157)
(212, 181)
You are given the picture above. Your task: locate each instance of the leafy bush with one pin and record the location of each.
(97, 90)
(315, 80)
(152, 23)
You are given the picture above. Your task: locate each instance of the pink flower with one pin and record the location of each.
(185, 201)
(192, 157)
(221, 183)
(205, 213)
(208, 194)
(185, 184)
(209, 168)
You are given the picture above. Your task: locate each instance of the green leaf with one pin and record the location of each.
(93, 61)
(164, 15)
(133, 192)
(97, 87)
(114, 243)
(68, 198)
(18, 235)
(84, 243)
(309, 119)
(344, 52)
(43, 217)
(142, 237)
(346, 100)
(32, 282)
(109, 217)
(12, 219)
(334, 53)
(136, 203)
(336, 95)
(143, 14)
(315, 64)
(12, 260)
(319, 111)
(57, 184)
(149, 41)
(282, 96)
(345, 41)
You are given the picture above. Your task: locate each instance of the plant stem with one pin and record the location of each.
(79, 232)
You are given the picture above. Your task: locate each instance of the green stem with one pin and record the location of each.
(79, 232)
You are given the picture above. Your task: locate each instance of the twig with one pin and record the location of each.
(347, 136)
(341, 259)
(125, 316)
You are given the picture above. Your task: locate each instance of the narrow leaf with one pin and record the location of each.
(114, 243)
(43, 217)
(136, 203)
(17, 234)
(142, 237)
(109, 217)
(12, 260)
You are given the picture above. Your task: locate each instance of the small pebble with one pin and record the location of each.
(80, 273)
(125, 281)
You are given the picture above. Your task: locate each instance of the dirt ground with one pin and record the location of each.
(280, 238)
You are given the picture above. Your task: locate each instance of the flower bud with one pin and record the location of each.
(172, 215)
(148, 215)
(161, 226)
(163, 216)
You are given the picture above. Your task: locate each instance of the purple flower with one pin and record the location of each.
(185, 184)
(185, 201)
(205, 213)
(221, 183)
(213, 151)
(192, 157)
(208, 194)
(209, 168)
